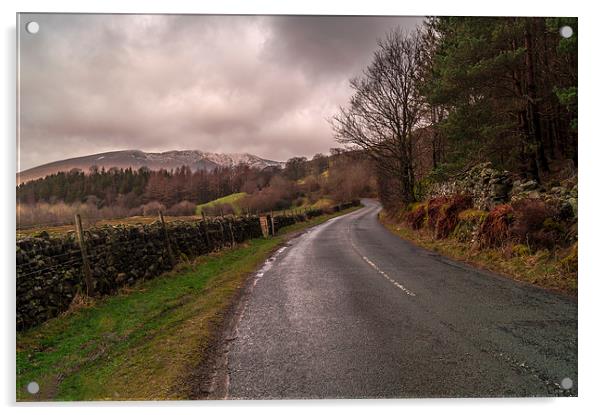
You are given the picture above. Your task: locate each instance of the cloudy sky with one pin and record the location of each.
(260, 84)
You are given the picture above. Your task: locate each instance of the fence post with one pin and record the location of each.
(206, 229)
(86, 265)
(265, 230)
(272, 221)
(167, 241)
(221, 228)
(231, 233)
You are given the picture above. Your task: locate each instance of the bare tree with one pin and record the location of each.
(385, 109)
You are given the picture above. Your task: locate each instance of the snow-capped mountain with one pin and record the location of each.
(196, 160)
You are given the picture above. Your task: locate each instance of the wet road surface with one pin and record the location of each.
(349, 310)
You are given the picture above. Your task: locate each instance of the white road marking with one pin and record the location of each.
(384, 274)
(373, 265)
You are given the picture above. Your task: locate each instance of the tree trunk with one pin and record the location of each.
(533, 115)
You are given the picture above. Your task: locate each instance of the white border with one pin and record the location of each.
(590, 152)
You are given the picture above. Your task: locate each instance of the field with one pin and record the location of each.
(232, 200)
(132, 220)
(143, 343)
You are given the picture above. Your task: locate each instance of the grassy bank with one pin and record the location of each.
(543, 268)
(142, 343)
(232, 200)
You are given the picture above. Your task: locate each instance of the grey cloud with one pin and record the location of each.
(258, 84)
(330, 44)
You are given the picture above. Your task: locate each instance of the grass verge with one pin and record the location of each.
(142, 343)
(543, 268)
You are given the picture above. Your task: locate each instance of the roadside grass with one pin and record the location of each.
(232, 200)
(142, 343)
(541, 268)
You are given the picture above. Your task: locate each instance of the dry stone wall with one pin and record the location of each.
(50, 270)
(490, 187)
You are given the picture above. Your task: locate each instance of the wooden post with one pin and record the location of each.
(86, 265)
(231, 233)
(167, 241)
(272, 221)
(206, 229)
(221, 228)
(263, 222)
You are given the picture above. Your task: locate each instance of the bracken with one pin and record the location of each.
(496, 226)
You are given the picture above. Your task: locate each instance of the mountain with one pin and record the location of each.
(196, 160)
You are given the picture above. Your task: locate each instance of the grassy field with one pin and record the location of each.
(541, 268)
(135, 220)
(232, 200)
(132, 220)
(142, 343)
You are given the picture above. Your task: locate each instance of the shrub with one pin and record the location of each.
(60, 213)
(469, 223)
(472, 215)
(433, 210)
(184, 208)
(448, 215)
(416, 216)
(496, 226)
(152, 208)
(536, 224)
(219, 209)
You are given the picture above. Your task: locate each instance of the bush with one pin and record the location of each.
(219, 209)
(448, 215)
(416, 216)
(472, 215)
(152, 208)
(496, 226)
(433, 210)
(60, 213)
(536, 224)
(184, 208)
(469, 223)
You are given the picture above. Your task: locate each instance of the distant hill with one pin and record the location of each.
(196, 160)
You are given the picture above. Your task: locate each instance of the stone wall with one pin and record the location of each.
(490, 187)
(50, 268)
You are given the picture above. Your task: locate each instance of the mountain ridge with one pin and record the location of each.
(195, 159)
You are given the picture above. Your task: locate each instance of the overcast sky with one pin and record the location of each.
(265, 85)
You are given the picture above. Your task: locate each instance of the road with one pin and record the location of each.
(349, 310)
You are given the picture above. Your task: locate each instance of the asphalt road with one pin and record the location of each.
(348, 310)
